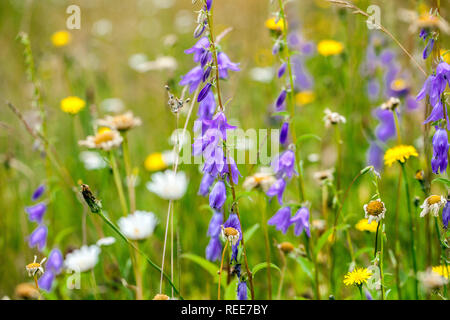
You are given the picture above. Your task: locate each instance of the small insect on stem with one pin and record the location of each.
(175, 104)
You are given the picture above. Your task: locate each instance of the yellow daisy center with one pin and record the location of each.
(375, 207)
(230, 232)
(398, 84)
(286, 247)
(33, 265)
(433, 199)
(61, 38)
(104, 136)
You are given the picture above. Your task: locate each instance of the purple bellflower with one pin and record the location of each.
(282, 219)
(301, 221)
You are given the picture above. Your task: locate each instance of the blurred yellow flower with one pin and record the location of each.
(357, 277)
(330, 47)
(155, 162)
(443, 271)
(364, 225)
(445, 57)
(305, 97)
(274, 25)
(399, 153)
(61, 38)
(399, 84)
(103, 130)
(72, 104)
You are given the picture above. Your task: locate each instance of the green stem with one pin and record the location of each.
(118, 183)
(360, 292)
(154, 265)
(267, 247)
(129, 172)
(411, 225)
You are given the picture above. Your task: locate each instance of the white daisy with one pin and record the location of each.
(105, 140)
(83, 259)
(168, 184)
(139, 225)
(432, 204)
(264, 179)
(231, 235)
(121, 122)
(35, 268)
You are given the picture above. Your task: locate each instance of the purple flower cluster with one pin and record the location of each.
(282, 220)
(283, 165)
(52, 269)
(396, 85)
(38, 237)
(434, 88)
(211, 126)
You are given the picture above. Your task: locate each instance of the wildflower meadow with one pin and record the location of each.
(224, 150)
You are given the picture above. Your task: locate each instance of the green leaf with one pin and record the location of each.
(324, 238)
(210, 267)
(442, 180)
(263, 265)
(250, 232)
(231, 290)
(363, 250)
(307, 137)
(306, 265)
(62, 234)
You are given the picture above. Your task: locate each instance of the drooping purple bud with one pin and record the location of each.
(46, 280)
(55, 261)
(284, 132)
(281, 98)
(242, 290)
(209, 4)
(218, 195)
(439, 161)
(428, 49)
(205, 184)
(446, 215)
(282, 219)
(282, 70)
(38, 238)
(277, 189)
(36, 212)
(206, 74)
(204, 92)
(301, 221)
(38, 192)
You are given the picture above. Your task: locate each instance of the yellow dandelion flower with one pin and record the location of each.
(61, 38)
(155, 162)
(330, 47)
(274, 25)
(357, 277)
(445, 54)
(304, 97)
(443, 271)
(72, 104)
(399, 153)
(364, 225)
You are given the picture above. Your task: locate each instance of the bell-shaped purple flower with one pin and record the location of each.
(38, 192)
(428, 49)
(199, 48)
(220, 122)
(235, 174)
(284, 132)
(213, 249)
(205, 184)
(36, 212)
(214, 224)
(242, 290)
(55, 261)
(218, 195)
(375, 156)
(207, 107)
(208, 4)
(193, 78)
(301, 221)
(38, 238)
(446, 215)
(277, 189)
(440, 151)
(386, 129)
(284, 163)
(46, 280)
(225, 64)
(282, 219)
